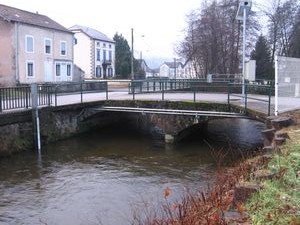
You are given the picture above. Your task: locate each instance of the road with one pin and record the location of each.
(122, 94)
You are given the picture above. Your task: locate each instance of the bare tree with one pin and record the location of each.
(282, 23)
(213, 39)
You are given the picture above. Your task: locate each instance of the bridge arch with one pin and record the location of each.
(169, 121)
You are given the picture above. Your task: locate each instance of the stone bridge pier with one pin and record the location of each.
(171, 128)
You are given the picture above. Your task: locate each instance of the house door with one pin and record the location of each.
(63, 72)
(48, 71)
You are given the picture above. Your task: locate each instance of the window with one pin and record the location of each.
(75, 41)
(48, 45)
(29, 44)
(57, 70)
(104, 45)
(110, 55)
(63, 48)
(68, 70)
(98, 44)
(110, 72)
(29, 68)
(109, 46)
(104, 55)
(98, 55)
(98, 71)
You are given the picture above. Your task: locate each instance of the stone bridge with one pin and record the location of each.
(170, 121)
(57, 123)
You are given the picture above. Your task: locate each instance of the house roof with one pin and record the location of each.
(11, 14)
(92, 33)
(172, 64)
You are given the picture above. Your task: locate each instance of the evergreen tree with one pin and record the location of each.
(123, 57)
(262, 55)
(295, 39)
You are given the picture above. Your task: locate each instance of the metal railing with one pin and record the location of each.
(253, 92)
(180, 85)
(160, 89)
(258, 93)
(20, 97)
(80, 89)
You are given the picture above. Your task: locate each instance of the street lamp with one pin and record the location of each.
(242, 14)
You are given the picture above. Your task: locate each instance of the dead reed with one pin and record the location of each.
(203, 207)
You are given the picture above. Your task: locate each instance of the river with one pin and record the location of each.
(106, 176)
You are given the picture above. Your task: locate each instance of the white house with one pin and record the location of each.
(33, 48)
(189, 71)
(172, 70)
(94, 52)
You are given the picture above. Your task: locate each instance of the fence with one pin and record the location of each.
(191, 90)
(287, 84)
(80, 89)
(20, 97)
(254, 93)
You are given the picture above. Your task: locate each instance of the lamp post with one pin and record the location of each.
(242, 14)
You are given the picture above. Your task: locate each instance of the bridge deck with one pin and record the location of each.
(171, 112)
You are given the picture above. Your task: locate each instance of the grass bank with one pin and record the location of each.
(278, 201)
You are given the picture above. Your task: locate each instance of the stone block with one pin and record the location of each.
(281, 122)
(268, 136)
(279, 141)
(243, 191)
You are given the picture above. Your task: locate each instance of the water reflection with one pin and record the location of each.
(103, 175)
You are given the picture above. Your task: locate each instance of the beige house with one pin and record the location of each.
(33, 48)
(94, 52)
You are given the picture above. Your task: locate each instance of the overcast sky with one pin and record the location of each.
(157, 24)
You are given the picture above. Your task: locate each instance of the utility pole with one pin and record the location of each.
(175, 68)
(132, 74)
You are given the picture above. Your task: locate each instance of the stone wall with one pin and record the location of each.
(16, 128)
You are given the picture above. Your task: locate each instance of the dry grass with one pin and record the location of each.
(203, 207)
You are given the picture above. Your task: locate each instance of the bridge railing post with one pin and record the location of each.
(55, 94)
(133, 89)
(49, 94)
(246, 97)
(228, 95)
(27, 97)
(141, 86)
(106, 89)
(163, 91)
(81, 92)
(147, 85)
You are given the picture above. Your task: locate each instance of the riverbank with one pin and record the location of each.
(261, 190)
(278, 201)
